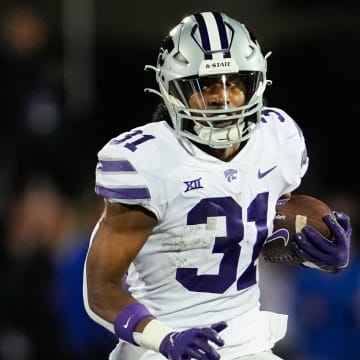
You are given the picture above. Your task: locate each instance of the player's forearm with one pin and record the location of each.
(107, 300)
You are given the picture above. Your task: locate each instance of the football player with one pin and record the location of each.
(189, 201)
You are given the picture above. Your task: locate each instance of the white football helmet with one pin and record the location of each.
(200, 48)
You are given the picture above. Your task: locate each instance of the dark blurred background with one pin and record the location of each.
(72, 77)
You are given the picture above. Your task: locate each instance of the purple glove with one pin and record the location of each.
(331, 256)
(193, 343)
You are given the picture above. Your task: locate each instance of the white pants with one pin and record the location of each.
(129, 352)
(266, 355)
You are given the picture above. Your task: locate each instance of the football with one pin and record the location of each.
(291, 216)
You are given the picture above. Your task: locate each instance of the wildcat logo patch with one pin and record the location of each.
(230, 174)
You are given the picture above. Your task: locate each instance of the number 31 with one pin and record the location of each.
(230, 245)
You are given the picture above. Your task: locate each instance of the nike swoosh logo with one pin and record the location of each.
(262, 174)
(278, 234)
(127, 322)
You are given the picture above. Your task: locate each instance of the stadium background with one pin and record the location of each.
(72, 76)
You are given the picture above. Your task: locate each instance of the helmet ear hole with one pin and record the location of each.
(181, 58)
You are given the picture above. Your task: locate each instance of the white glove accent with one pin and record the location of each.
(152, 335)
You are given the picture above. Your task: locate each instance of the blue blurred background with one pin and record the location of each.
(72, 77)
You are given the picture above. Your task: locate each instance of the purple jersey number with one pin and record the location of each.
(132, 146)
(230, 245)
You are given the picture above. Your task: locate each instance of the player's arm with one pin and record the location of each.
(120, 234)
(118, 238)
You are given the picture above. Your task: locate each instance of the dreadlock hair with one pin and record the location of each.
(161, 113)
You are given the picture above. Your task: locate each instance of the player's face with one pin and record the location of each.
(219, 93)
(219, 101)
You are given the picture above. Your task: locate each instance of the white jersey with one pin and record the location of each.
(200, 263)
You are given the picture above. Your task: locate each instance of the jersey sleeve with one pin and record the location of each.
(293, 150)
(122, 177)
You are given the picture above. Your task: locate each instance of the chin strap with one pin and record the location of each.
(220, 137)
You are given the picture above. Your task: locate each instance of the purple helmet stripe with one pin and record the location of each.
(123, 193)
(222, 33)
(204, 36)
(117, 165)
